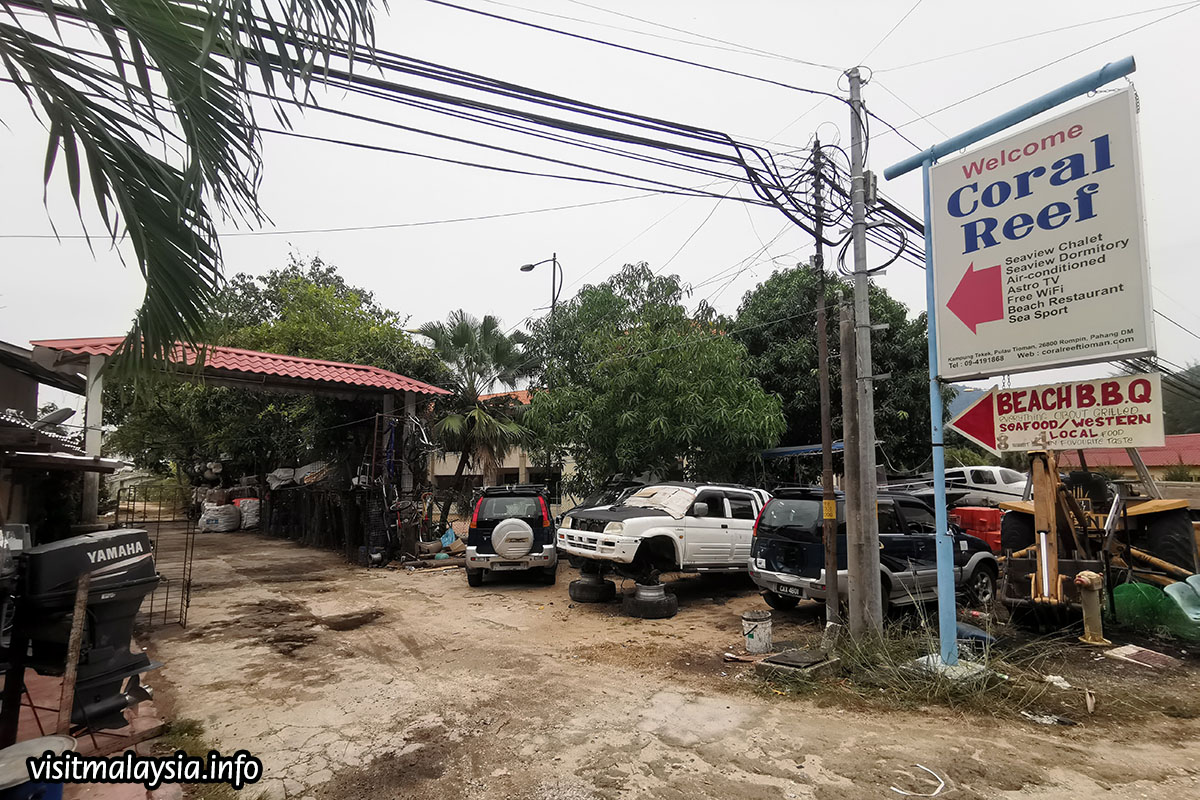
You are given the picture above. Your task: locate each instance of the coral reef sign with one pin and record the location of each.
(1039, 246)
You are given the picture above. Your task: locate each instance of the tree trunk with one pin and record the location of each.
(458, 481)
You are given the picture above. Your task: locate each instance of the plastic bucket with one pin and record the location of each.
(756, 627)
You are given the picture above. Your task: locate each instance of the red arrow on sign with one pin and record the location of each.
(979, 296)
(978, 422)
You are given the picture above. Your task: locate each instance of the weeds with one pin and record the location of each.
(188, 735)
(882, 672)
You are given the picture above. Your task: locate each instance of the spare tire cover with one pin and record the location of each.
(512, 538)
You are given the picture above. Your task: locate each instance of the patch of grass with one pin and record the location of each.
(188, 735)
(880, 673)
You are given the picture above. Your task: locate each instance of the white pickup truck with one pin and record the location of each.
(663, 527)
(971, 486)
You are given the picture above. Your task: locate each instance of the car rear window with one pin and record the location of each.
(505, 507)
(803, 514)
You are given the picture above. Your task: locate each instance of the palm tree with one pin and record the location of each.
(148, 106)
(480, 355)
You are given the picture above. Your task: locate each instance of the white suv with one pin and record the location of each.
(663, 527)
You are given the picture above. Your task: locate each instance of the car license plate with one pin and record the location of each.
(508, 564)
(792, 590)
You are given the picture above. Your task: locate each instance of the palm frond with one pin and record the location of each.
(174, 71)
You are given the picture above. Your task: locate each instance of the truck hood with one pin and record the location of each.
(619, 513)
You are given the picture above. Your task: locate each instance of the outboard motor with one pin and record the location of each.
(121, 564)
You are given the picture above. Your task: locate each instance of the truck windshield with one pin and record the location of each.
(675, 500)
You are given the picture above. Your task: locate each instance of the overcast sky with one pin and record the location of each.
(55, 289)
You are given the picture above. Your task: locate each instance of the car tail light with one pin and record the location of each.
(475, 516)
(545, 512)
(759, 517)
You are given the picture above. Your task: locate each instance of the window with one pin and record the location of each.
(1011, 476)
(920, 519)
(983, 476)
(505, 507)
(741, 506)
(889, 520)
(955, 475)
(716, 503)
(792, 513)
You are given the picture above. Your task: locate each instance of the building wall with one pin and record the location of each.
(518, 467)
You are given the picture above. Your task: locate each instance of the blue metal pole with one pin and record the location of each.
(947, 601)
(1106, 74)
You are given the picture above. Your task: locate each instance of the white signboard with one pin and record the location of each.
(1039, 247)
(1112, 412)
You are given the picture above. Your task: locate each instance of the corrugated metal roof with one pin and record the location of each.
(1181, 448)
(250, 362)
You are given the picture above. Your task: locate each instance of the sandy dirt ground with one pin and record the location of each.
(354, 683)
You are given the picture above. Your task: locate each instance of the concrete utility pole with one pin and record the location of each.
(868, 482)
(850, 489)
(829, 500)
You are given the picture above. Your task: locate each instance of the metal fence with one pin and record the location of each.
(169, 514)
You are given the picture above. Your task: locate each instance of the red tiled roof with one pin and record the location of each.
(1182, 448)
(250, 362)
(522, 396)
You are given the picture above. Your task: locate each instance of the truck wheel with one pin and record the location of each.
(981, 589)
(780, 602)
(1169, 537)
(549, 575)
(1016, 531)
(650, 602)
(591, 589)
(474, 577)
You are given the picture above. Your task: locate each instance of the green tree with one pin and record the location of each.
(148, 106)
(305, 310)
(776, 323)
(479, 355)
(642, 385)
(1181, 406)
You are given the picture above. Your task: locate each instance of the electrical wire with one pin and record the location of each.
(1032, 36)
(892, 30)
(638, 50)
(1058, 60)
(381, 226)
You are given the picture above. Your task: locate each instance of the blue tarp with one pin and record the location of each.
(800, 450)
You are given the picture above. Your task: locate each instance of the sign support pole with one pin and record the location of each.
(947, 596)
(947, 621)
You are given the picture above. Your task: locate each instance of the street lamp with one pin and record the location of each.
(556, 281)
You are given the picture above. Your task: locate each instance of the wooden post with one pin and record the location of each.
(74, 646)
(1045, 526)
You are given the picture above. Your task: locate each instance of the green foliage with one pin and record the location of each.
(304, 309)
(639, 385)
(776, 323)
(1178, 472)
(160, 123)
(1181, 411)
(478, 354)
(967, 457)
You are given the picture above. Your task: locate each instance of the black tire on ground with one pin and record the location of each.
(474, 577)
(667, 606)
(981, 587)
(1169, 537)
(587, 592)
(885, 600)
(780, 602)
(548, 575)
(1016, 531)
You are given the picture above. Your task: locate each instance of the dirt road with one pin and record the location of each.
(353, 683)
